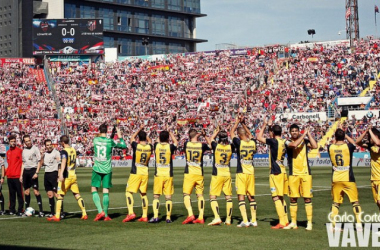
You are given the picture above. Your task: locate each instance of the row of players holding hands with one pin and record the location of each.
(298, 184)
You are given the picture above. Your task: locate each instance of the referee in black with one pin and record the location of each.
(31, 165)
(51, 159)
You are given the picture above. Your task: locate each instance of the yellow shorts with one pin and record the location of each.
(300, 185)
(137, 182)
(68, 183)
(376, 190)
(278, 184)
(191, 181)
(219, 184)
(163, 185)
(338, 189)
(245, 184)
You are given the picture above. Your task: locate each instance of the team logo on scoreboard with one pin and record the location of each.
(44, 26)
(91, 25)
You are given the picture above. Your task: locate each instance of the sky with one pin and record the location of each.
(263, 22)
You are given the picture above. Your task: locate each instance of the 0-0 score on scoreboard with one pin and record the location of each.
(68, 36)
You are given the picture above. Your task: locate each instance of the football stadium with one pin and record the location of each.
(120, 128)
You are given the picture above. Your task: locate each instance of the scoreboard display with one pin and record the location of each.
(68, 37)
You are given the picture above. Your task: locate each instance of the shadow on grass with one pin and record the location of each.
(23, 247)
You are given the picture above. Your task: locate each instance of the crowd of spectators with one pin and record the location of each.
(183, 91)
(26, 106)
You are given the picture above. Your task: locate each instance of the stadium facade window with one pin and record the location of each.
(159, 48)
(139, 48)
(108, 18)
(142, 3)
(175, 27)
(158, 25)
(123, 1)
(125, 46)
(176, 48)
(160, 4)
(175, 5)
(70, 10)
(124, 21)
(87, 11)
(109, 42)
(188, 28)
(141, 23)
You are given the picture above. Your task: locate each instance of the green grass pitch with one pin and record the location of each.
(72, 233)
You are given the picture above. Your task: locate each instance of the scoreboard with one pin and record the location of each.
(68, 37)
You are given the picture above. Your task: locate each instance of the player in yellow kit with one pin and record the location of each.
(163, 177)
(193, 178)
(373, 146)
(343, 179)
(221, 175)
(138, 179)
(245, 174)
(300, 180)
(278, 180)
(67, 179)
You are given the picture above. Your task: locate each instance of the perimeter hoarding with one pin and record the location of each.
(68, 37)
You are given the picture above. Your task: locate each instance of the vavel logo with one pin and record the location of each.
(349, 237)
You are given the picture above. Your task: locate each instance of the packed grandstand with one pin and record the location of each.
(301, 85)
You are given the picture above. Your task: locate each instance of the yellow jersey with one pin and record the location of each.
(194, 157)
(276, 155)
(375, 162)
(222, 159)
(245, 151)
(163, 153)
(298, 161)
(341, 160)
(70, 154)
(141, 157)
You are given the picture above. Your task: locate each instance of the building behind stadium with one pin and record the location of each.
(168, 25)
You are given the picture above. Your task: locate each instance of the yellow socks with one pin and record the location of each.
(334, 212)
(286, 220)
(156, 205)
(280, 211)
(129, 198)
(293, 212)
(309, 211)
(144, 200)
(253, 207)
(243, 211)
(215, 208)
(357, 211)
(201, 207)
(187, 202)
(229, 206)
(169, 207)
(81, 205)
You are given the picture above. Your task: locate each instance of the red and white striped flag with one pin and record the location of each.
(348, 13)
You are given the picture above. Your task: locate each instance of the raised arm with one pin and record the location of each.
(234, 127)
(313, 143)
(172, 136)
(133, 138)
(260, 136)
(375, 139)
(213, 136)
(121, 143)
(359, 141)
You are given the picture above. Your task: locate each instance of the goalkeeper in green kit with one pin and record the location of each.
(102, 170)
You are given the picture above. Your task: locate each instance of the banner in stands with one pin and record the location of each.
(359, 114)
(258, 162)
(69, 58)
(353, 100)
(29, 61)
(306, 116)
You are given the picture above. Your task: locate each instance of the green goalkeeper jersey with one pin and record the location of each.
(103, 153)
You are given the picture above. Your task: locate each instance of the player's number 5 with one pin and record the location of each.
(162, 158)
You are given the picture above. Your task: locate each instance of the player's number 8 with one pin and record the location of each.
(143, 158)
